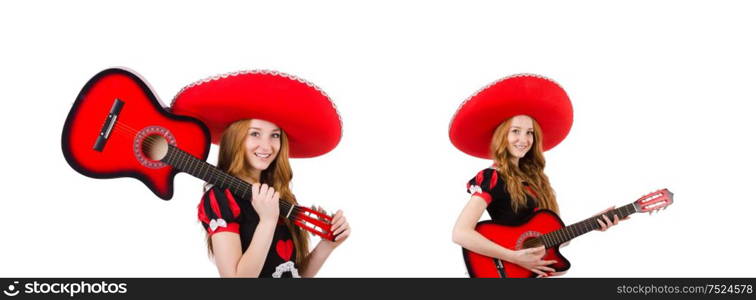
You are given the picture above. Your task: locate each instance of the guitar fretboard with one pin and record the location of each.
(567, 233)
(209, 173)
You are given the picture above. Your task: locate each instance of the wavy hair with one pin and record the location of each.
(528, 169)
(232, 159)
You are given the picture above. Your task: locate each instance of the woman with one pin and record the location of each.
(248, 237)
(503, 122)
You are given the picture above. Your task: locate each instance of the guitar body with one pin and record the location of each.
(120, 152)
(515, 237)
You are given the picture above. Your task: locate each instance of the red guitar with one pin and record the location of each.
(118, 128)
(545, 228)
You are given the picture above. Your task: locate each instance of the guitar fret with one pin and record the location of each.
(204, 168)
(182, 161)
(167, 158)
(237, 185)
(179, 161)
(195, 165)
(585, 226)
(231, 184)
(191, 166)
(208, 174)
(214, 176)
(223, 183)
(174, 157)
(186, 163)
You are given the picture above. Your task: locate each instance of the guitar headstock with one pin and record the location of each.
(654, 201)
(315, 222)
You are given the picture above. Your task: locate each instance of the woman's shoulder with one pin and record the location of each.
(487, 178)
(214, 189)
(216, 196)
(218, 210)
(487, 172)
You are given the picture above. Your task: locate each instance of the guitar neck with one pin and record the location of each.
(567, 233)
(186, 162)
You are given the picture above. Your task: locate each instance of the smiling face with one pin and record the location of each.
(261, 144)
(520, 136)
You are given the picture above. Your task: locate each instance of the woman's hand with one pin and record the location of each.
(532, 259)
(339, 227)
(265, 202)
(604, 221)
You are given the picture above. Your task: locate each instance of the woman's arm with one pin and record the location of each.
(323, 250)
(464, 234)
(228, 255)
(226, 246)
(317, 258)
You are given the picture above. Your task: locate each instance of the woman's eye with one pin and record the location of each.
(276, 135)
(530, 132)
(255, 133)
(516, 130)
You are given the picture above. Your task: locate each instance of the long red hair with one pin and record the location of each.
(232, 159)
(528, 169)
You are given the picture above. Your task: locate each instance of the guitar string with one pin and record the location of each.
(565, 234)
(296, 211)
(176, 153)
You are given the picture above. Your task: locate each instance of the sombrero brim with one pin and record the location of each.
(474, 123)
(302, 110)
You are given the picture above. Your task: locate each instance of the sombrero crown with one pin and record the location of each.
(476, 119)
(301, 109)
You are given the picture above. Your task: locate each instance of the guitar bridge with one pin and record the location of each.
(107, 127)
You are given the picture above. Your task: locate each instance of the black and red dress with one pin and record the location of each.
(490, 185)
(219, 211)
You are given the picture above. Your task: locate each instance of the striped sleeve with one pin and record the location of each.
(218, 211)
(482, 184)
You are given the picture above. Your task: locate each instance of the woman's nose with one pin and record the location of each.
(264, 144)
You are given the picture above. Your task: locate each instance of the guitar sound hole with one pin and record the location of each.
(155, 147)
(532, 243)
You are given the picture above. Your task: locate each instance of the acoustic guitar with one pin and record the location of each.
(545, 228)
(117, 127)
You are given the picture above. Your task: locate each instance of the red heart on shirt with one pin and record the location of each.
(284, 249)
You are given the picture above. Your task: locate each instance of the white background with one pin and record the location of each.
(663, 93)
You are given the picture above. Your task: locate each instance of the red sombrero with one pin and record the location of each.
(473, 124)
(301, 109)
